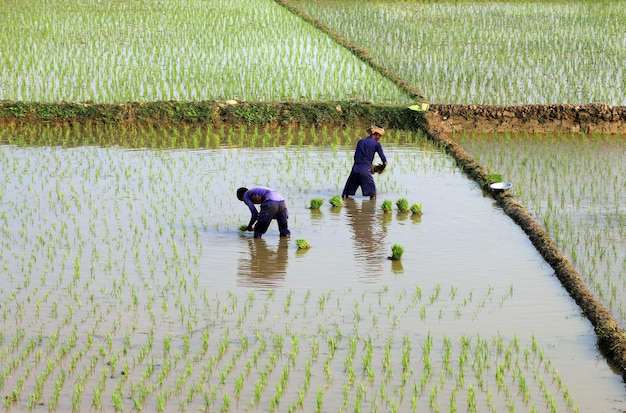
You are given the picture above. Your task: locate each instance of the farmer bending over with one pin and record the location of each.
(361, 173)
(272, 207)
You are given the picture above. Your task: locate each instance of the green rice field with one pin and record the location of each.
(491, 52)
(574, 185)
(461, 52)
(175, 49)
(126, 285)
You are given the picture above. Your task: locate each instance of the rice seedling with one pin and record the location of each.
(493, 177)
(402, 205)
(316, 203)
(387, 206)
(303, 244)
(397, 251)
(416, 209)
(335, 201)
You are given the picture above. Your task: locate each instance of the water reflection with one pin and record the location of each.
(396, 267)
(368, 232)
(402, 216)
(317, 216)
(266, 265)
(416, 218)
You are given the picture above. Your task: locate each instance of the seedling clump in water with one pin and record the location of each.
(316, 203)
(416, 209)
(402, 204)
(335, 201)
(396, 252)
(387, 206)
(302, 244)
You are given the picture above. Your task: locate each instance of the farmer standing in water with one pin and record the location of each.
(362, 173)
(272, 207)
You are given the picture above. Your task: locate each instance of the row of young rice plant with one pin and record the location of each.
(107, 302)
(251, 352)
(574, 185)
(253, 50)
(503, 53)
(189, 136)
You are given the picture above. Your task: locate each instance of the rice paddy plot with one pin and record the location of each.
(491, 52)
(252, 50)
(575, 187)
(127, 285)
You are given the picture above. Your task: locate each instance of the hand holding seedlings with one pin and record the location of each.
(378, 169)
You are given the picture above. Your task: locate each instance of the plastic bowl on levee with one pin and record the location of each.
(501, 186)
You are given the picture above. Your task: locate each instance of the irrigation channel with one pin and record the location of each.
(126, 285)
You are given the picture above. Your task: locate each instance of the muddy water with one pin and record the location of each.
(123, 245)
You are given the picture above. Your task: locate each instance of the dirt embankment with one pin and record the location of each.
(444, 117)
(587, 119)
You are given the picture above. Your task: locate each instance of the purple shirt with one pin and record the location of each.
(266, 194)
(365, 150)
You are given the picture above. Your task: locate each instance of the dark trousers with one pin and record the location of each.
(360, 177)
(272, 210)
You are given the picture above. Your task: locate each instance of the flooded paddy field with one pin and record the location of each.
(126, 284)
(574, 185)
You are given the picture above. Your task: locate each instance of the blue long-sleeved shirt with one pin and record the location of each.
(364, 153)
(264, 194)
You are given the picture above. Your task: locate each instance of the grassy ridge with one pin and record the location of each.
(211, 112)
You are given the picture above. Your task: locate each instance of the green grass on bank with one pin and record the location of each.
(213, 113)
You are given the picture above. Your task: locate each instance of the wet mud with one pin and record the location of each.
(590, 118)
